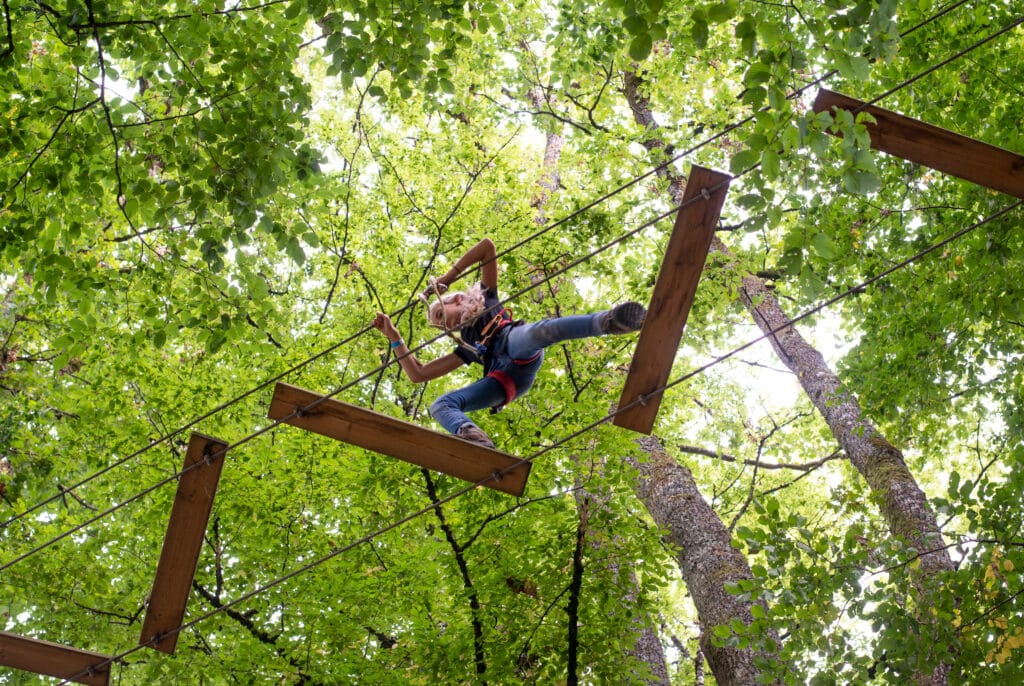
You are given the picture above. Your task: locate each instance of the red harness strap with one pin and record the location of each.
(507, 383)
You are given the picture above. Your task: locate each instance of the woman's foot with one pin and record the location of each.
(473, 434)
(623, 318)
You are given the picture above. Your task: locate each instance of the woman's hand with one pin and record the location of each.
(383, 323)
(436, 286)
(413, 368)
(483, 252)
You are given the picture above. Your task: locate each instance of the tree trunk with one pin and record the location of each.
(904, 505)
(706, 558)
(550, 180)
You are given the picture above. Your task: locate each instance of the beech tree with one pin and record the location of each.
(197, 199)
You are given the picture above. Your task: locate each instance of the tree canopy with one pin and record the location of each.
(200, 198)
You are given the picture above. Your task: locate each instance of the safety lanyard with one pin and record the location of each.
(486, 333)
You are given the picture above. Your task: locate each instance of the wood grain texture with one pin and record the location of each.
(931, 146)
(402, 440)
(673, 296)
(183, 542)
(52, 659)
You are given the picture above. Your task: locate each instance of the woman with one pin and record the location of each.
(510, 351)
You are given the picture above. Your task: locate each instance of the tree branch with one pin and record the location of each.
(121, 200)
(575, 588)
(93, 24)
(127, 620)
(9, 50)
(46, 146)
(244, 619)
(64, 491)
(725, 457)
(467, 582)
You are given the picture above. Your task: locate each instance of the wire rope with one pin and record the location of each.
(935, 67)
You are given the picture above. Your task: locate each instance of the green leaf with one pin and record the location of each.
(770, 33)
(824, 246)
(751, 201)
(699, 33)
(755, 96)
(640, 47)
(722, 11)
(819, 142)
(635, 25)
(215, 342)
(743, 160)
(860, 182)
(811, 285)
(770, 164)
(757, 74)
(294, 250)
(860, 67)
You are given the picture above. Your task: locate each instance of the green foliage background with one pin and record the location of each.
(198, 197)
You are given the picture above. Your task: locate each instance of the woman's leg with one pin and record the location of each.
(450, 409)
(524, 341)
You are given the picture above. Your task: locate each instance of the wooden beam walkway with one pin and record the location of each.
(52, 659)
(190, 515)
(931, 146)
(672, 299)
(402, 440)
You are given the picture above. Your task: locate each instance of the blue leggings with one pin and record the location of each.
(518, 354)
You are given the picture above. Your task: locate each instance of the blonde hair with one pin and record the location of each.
(472, 307)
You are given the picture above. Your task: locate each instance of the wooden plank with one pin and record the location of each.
(183, 542)
(673, 296)
(52, 659)
(398, 439)
(940, 149)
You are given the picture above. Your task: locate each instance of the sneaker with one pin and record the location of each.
(473, 434)
(623, 318)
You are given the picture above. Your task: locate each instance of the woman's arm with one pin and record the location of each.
(417, 371)
(483, 252)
